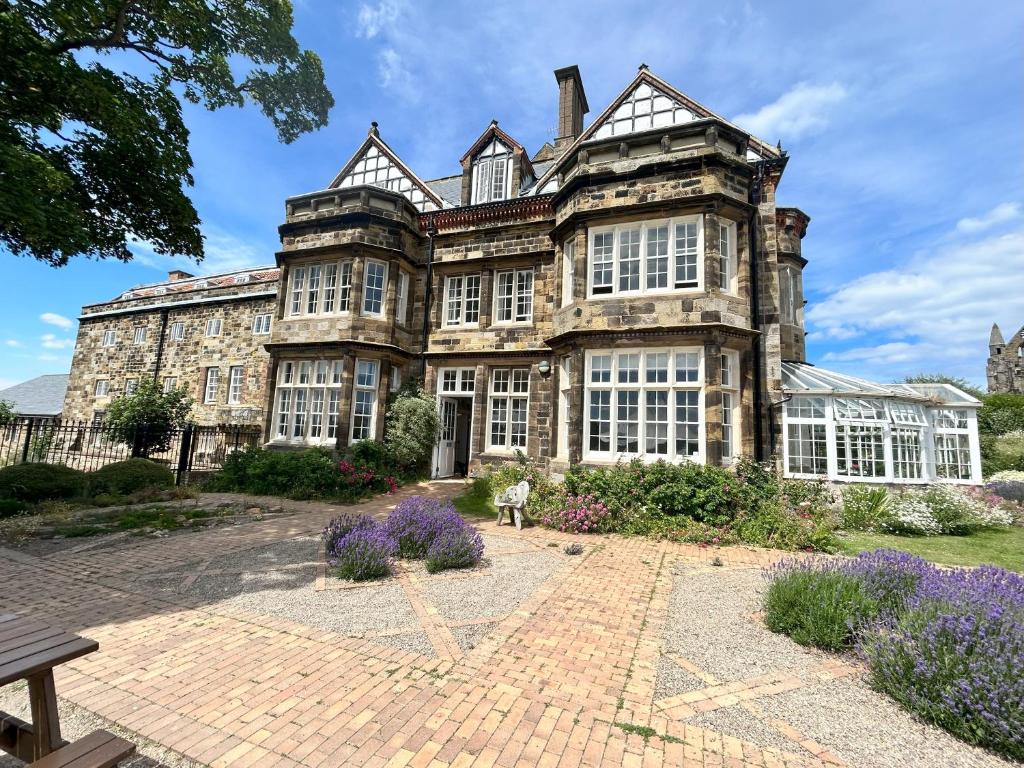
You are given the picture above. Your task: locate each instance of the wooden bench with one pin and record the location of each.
(100, 749)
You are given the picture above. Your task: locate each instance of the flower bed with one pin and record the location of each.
(947, 644)
(953, 510)
(419, 528)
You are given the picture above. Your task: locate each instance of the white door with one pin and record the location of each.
(446, 442)
(564, 373)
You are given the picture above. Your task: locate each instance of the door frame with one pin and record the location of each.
(434, 464)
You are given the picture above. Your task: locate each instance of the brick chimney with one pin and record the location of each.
(572, 105)
(178, 274)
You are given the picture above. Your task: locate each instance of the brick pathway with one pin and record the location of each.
(567, 678)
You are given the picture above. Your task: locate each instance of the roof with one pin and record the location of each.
(268, 274)
(41, 396)
(448, 188)
(807, 379)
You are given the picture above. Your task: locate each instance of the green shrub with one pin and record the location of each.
(10, 507)
(410, 430)
(822, 608)
(865, 508)
(124, 477)
(35, 482)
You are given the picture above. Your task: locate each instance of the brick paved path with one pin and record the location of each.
(553, 684)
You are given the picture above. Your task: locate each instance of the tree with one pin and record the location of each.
(92, 158)
(941, 378)
(146, 418)
(6, 412)
(411, 428)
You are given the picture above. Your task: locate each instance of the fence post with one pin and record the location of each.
(184, 453)
(28, 440)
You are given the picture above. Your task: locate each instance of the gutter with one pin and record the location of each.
(160, 344)
(755, 308)
(429, 292)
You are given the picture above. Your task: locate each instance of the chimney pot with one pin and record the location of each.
(179, 274)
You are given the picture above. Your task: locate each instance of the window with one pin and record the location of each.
(319, 289)
(212, 382)
(261, 325)
(806, 435)
(646, 257)
(906, 453)
(492, 174)
(402, 298)
(458, 380)
(644, 109)
(236, 382)
(177, 331)
(730, 406)
(109, 338)
(952, 444)
(789, 294)
(860, 450)
(306, 405)
(643, 403)
(462, 300)
(170, 383)
(396, 378)
(568, 272)
(213, 326)
(727, 258)
(373, 287)
(803, 407)
(514, 297)
(509, 406)
(364, 400)
(102, 388)
(130, 385)
(860, 409)
(140, 335)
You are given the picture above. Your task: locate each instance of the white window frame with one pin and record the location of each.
(139, 335)
(236, 384)
(731, 422)
(402, 298)
(568, 271)
(608, 380)
(178, 330)
(101, 388)
(130, 385)
(170, 383)
(952, 425)
(645, 258)
(487, 184)
(458, 306)
(360, 386)
(214, 326)
(109, 338)
(320, 381)
(728, 258)
(318, 288)
(211, 383)
(456, 381)
(367, 288)
(515, 401)
(518, 276)
(261, 324)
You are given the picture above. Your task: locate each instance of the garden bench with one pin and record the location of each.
(100, 749)
(513, 500)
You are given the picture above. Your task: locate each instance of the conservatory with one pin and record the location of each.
(851, 430)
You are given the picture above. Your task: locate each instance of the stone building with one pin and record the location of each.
(1005, 369)
(631, 289)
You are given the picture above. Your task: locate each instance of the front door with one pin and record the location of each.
(446, 438)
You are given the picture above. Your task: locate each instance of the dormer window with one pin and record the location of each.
(492, 174)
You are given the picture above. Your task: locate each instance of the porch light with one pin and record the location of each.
(544, 367)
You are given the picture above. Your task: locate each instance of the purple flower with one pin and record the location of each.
(364, 553)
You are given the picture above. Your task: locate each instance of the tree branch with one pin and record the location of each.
(112, 40)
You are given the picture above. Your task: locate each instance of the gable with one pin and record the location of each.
(376, 165)
(643, 109)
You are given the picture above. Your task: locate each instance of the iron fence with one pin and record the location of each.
(89, 445)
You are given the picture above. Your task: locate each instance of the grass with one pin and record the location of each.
(476, 501)
(996, 546)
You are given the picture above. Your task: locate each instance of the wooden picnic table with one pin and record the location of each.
(29, 650)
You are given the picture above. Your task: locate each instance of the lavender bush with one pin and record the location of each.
(341, 526)
(458, 546)
(364, 553)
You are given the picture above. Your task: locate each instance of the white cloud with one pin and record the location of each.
(1001, 213)
(934, 312)
(393, 72)
(801, 111)
(52, 318)
(374, 19)
(12, 343)
(52, 342)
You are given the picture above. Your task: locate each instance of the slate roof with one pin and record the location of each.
(41, 396)
(448, 189)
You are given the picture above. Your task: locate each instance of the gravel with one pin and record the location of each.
(673, 680)
(417, 642)
(76, 722)
(738, 722)
(867, 729)
(506, 544)
(726, 640)
(497, 591)
(469, 637)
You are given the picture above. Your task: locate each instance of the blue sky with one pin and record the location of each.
(903, 120)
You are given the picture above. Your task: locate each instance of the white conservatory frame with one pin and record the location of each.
(948, 414)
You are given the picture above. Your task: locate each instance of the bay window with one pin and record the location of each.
(321, 288)
(643, 403)
(374, 284)
(306, 406)
(509, 399)
(364, 400)
(462, 300)
(514, 296)
(646, 257)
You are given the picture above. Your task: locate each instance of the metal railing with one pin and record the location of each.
(89, 445)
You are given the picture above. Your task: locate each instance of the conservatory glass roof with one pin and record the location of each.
(804, 378)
